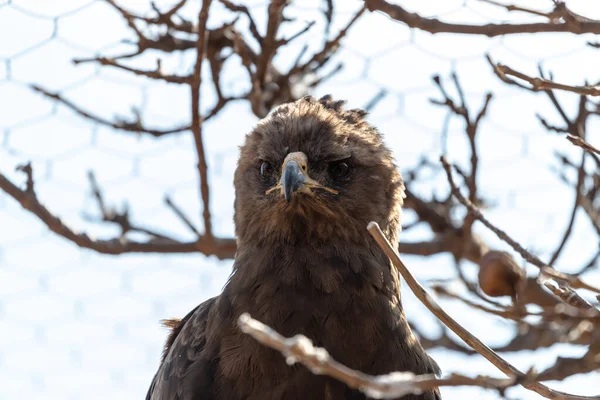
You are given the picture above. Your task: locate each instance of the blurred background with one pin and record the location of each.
(78, 324)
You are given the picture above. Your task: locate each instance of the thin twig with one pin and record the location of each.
(135, 126)
(546, 84)
(197, 121)
(27, 169)
(577, 203)
(577, 141)
(221, 248)
(390, 386)
(182, 216)
(156, 74)
(567, 294)
(458, 329)
(244, 10)
(574, 281)
(433, 25)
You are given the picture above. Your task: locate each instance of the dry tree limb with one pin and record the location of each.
(561, 20)
(577, 141)
(328, 14)
(543, 83)
(221, 248)
(111, 215)
(546, 334)
(565, 367)
(184, 218)
(196, 127)
(566, 294)
(319, 59)
(471, 129)
(589, 313)
(503, 313)
(459, 330)
(135, 126)
(396, 384)
(244, 10)
(156, 74)
(589, 191)
(27, 169)
(443, 340)
(576, 203)
(572, 280)
(513, 7)
(270, 44)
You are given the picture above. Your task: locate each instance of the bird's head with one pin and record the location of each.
(312, 171)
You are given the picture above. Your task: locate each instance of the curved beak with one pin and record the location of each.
(292, 179)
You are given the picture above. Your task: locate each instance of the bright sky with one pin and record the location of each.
(76, 324)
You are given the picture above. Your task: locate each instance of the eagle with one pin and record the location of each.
(310, 177)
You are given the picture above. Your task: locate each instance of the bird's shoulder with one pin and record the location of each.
(184, 357)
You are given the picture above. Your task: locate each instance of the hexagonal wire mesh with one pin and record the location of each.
(77, 324)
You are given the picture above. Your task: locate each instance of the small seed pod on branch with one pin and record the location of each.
(499, 274)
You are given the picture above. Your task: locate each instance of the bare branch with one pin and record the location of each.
(270, 43)
(545, 84)
(512, 7)
(328, 13)
(28, 171)
(572, 280)
(577, 203)
(197, 121)
(221, 248)
(577, 141)
(471, 129)
(319, 59)
(244, 10)
(156, 74)
(565, 367)
(120, 218)
(569, 23)
(284, 42)
(393, 385)
(181, 216)
(135, 126)
(567, 294)
(465, 335)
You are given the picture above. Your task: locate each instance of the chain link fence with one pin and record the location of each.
(79, 325)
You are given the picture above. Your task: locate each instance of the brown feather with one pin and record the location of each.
(305, 267)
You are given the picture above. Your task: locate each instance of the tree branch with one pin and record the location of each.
(134, 126)
(572, 280)
(393, 385)
(221, 248)
(577, 141)
(465, 335)
(433, 25)
(156, 74)
(197, 121)
(545, 84)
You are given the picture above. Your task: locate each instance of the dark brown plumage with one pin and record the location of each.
(309, 179)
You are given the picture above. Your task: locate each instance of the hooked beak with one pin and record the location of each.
(292, 179)
(295, 177)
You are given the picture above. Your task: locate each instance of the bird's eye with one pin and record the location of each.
(266, 170)
(339, 170)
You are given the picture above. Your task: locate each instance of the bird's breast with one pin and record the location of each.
(344, 304)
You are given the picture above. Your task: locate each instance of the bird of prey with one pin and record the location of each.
(310, 177)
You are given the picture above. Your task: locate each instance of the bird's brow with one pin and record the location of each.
(338, 157)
